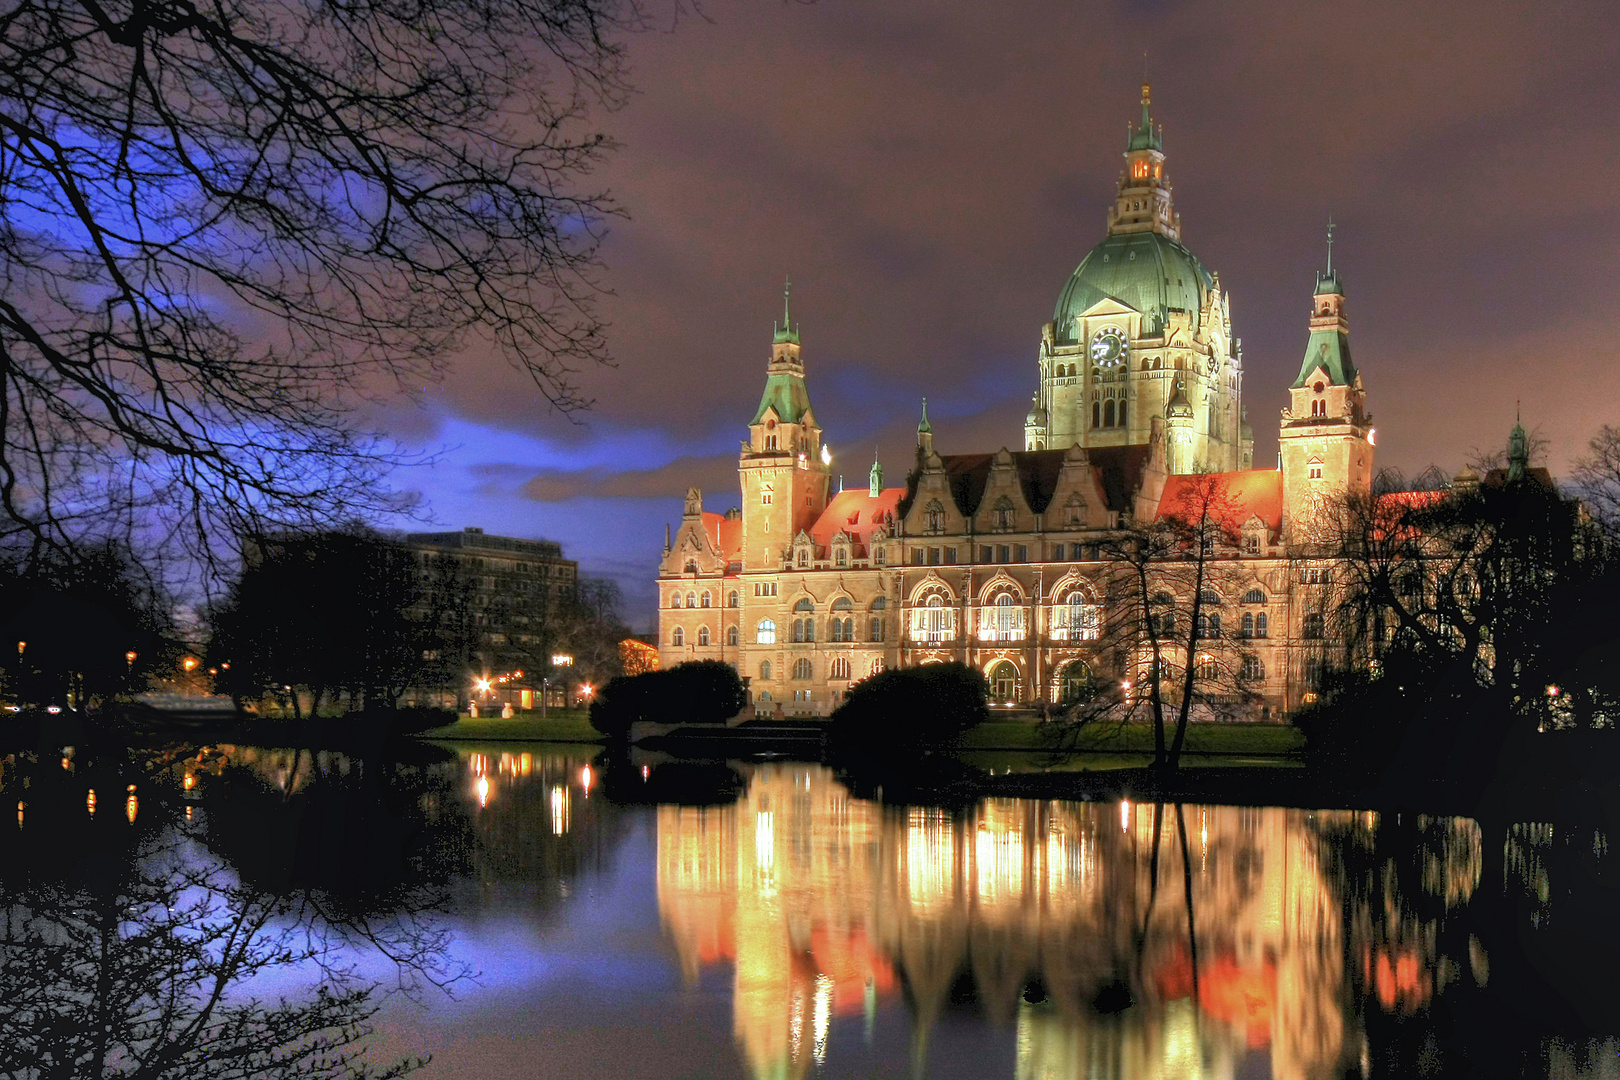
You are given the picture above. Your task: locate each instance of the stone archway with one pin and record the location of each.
(1006, 684)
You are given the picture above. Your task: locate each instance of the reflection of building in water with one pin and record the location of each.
(823, 903)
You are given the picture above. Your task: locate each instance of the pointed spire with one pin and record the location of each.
(1145, 136)
(874, 480)
(787, 331)
(1328, 283)
(925, 432)
(1518, 449)
(924, 426)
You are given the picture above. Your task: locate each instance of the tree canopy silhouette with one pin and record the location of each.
(222, 225)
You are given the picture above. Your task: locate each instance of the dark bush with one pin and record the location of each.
(912, 708)
(409, 719)
(697, 692)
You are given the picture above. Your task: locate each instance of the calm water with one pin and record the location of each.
(789, 929)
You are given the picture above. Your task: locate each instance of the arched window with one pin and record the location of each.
(1164, 606)
(1253, 669)
(1254, 596)
(876, 629)
(1207, 670)
(1074, 685)
(731, 635)
(840, 668)
(934, 517)
(1313, 672)
(703, 601)
(1005, 620)
(1096, 414)
(1247, 629)
(880, 603)
(765, 632)
(1004, 683)
(678, 637)
(674, 600)
(804, 557)
(1260, 625)
(733, 600)
(842, 604)
(935, 622)
(877, 666)
(691, 566)
(1209, 598)
(765, 671)
(801, 668)
(691, 600)
(841, 558)
(703, 635)
(1077, 619)
(1108, 413)
(1122, 414)
(1312, 629)
(804, 604)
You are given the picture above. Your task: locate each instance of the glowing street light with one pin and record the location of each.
(189, 663)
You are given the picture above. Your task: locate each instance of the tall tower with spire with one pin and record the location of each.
(784, 468)
(1326, 436)
(1141, 328)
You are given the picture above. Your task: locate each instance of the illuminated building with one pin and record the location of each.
(992, 559)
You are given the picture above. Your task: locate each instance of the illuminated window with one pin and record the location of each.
(691, 600)
(765, 632)
(678, 637)
(840, 667)
(674, 600)
(703, 635)
(733, 600)
(877, 666)
(1314, 470)
(703, 601)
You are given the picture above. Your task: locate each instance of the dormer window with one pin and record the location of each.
(1004, 515)
(770, 442)
(1314, 469)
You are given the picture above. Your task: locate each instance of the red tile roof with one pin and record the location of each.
(855, 512)
(725, 534)
(1241, 495)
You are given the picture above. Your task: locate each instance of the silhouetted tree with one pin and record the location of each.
(227, 223)
(1166, 630)
(328, 615)
(73, 619)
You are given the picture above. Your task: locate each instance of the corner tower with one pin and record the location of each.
(1140, 316)
(783, 468)
(1326, 437)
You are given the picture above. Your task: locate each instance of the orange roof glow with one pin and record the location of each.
(724, 533)
(1237, 497)
(855, 512)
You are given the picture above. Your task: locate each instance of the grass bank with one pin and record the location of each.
(558, 725)
(1243, 739)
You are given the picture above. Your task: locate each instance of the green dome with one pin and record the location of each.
(1146, 271)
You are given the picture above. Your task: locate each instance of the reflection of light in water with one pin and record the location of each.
(67, 764)
(645, 772)
(930, 857)
(189, 782)
(585, 778)
(188, 813)
(1125, 815)
(483, 791)
(131, 805)
(90, 801)
(1057, 863)
(525, 762)
(821, 1018)
(559, 810)
(1000, 857)
(765, 851)
(796, 1022)
(20, 806)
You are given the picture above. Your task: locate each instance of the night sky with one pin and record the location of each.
(929, 174)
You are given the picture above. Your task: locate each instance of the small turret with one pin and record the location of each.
(925, 432)
(1518, 453)
(874, 479)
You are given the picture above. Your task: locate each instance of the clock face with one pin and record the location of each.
(1108, 348)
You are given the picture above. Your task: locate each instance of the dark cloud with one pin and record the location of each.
(930, 173)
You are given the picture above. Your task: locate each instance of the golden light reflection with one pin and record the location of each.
(131, 805)
(585, 779)
(833, 903)
(20, 807)
(483, 791)
(560, 810)
(90, 802)
(189, 782)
